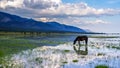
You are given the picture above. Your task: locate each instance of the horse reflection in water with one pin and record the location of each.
(77, 49)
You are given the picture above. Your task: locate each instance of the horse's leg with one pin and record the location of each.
(75, 49)
(86, 48)
(79, 45)
(86, 43)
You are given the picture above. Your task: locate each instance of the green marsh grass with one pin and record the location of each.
(101, 66)
(10, 45)
(51, 42)
(114, 47)
(65, 62)
(66, 50)
(75, 61)
(100, 54)
(39, 60)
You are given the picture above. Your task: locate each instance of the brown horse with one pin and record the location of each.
(81, 38)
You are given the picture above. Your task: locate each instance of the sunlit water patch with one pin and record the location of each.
(64, 56)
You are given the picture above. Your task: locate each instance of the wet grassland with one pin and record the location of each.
(56, 51)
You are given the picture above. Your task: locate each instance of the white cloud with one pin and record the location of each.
(41, 4)
(55, 10)
(97, 21)
(11, 3)
(76, 21)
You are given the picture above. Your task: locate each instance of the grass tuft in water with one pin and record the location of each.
(66, 50)
(116, 47)
(39, 60)
(100, 54)
(75, 61)
(65, 62)
(101, 66)
(108, 46)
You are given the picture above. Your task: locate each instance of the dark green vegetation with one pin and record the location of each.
(100, 54)
(65, 62)
(66, 50)
(32, 33)
(12, 45)
(39, 60)
(101, 66)
(114, 47)
(75, 61)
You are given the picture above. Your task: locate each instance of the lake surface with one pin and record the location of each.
(56, 51)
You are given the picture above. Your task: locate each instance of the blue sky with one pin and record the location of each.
(97, 4)
(95, 15)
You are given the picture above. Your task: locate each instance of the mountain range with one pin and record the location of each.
(14, 23)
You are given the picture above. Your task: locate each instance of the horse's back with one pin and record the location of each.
(82, 38)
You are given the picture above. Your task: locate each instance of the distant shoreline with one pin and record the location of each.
(37, 33)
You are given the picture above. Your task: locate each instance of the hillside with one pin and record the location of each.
(15, 23)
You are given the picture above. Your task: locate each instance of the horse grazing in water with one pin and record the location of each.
(81, 38)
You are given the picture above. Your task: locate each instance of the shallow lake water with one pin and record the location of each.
(58, 52)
